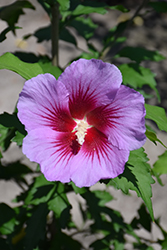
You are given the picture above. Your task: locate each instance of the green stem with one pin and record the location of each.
(55, 34)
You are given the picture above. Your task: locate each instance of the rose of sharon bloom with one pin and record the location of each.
(82, 126)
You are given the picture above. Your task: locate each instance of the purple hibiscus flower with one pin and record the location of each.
(82, 126)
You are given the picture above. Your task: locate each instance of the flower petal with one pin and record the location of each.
(44, 102)
(90, 83)
(51, 149)
(123, 120)
(97, 159)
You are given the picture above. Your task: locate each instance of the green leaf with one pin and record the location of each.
(160, 166)
(66, 36)
(7, 219)
(101, 244)
(43, 34)
(119, 7)
(64, 4)
(157, 176)
(45, 6)
(103, 197)
(157, 114)
(143, 219)
(3, 135)
(18, 138)
(12, 121)
(142, 246)
(84, 26)
(89, 7)
(29, 57)
(60, 205)
(140, 54)
(137, 177)
(40, 192)
(159, 6)
(153, 137)
(163, 243)
(9, 123)
(107, 221)
(84, 10)
(16, 10)
(97, 209)
(94, 209)
(145, 95)
(47, 67)
(5, 31)
(15, 171)
(118, 245)
(137, 76)
(89, 55)
(59, 201)
(65, 16)
(143, 179)
(114, 35)
(36, 227)
(78, 190)
(63, 241)
(6, 138)
(26, 70)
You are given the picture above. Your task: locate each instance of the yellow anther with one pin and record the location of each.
(81, 129)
